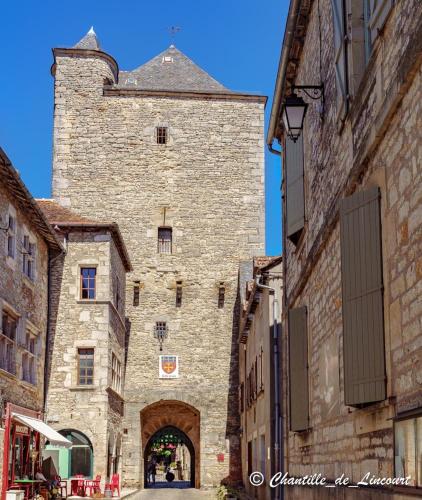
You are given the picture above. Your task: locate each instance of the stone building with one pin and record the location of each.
(177, 160)
(28, 247)
(86, 353)
(259, 330)
(352, 244)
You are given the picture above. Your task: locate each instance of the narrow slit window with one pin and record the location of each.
(88, 282)
(221, 296)
(179, 294)
(162, 136)
(165, 238)
(136, 293)
(11, 237)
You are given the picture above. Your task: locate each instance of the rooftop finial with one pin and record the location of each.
(173, 30)
(91, 31)
(89, 41)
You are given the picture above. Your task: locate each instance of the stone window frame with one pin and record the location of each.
(11, 234)
(116, 373)
(165, 246)
(30, 353)
(80, 289)
(29, 254)
(8, 346)
(162, 135)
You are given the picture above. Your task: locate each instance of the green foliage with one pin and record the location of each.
(224, 492)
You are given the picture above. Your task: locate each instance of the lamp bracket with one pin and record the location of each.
(312, 91)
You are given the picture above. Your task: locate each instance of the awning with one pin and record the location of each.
(53, 436)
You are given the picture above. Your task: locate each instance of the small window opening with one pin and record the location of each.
(179, 294)
(221, 294)
(165, 239)
(136, 292)
(161, 135)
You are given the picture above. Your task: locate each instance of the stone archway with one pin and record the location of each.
(169, 413)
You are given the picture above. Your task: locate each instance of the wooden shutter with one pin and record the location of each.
(298, 364)
(363, 326)
(295, 203)
(378, 13)
(340, 58)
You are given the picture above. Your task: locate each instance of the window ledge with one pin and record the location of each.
(29, 385)
(28, 281)
(7, 374)
(83, 387)
(11, 262)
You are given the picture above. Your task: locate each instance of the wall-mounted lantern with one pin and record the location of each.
(294, 108)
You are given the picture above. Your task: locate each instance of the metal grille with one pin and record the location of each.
(179, 294)
(164, 240)
(221, 293)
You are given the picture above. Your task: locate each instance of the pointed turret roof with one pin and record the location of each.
(171, 70)
(89, 41)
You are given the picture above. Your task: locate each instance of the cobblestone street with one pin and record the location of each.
(173, 494)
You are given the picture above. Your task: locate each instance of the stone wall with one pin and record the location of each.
(379, 144)
(207, 183)
(27, 300)
(95, 410)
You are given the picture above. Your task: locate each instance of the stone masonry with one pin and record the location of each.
(206, 184)
(378, 144)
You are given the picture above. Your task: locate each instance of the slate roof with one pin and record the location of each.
(69, 220)
(171, 70)
(89, 41)
(11, 181)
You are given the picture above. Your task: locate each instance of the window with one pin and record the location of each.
(11, 237)
(116, 373)
(408, 449)
(29, 362)
(242, 397)
(85, 366)
(164, 240)
(8, 342)
(28, 261)
(221, 293)
(262, 454)
(117, 292)
(136, 291)
(88, 275)
(161, 134)
(261, 370)
(179, 294)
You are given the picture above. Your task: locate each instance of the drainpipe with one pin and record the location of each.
(278, 428)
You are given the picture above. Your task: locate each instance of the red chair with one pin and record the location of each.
(61, 485)
(114, 484)
(94, 485)
(78, 485)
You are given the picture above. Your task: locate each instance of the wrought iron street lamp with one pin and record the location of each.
(294, 108)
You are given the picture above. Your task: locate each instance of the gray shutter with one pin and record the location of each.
(340, 58)
(298, 364)
(295, 203)
(363, 326)
(378, 12)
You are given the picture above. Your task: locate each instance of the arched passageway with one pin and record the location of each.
(171, 434)
(171, 454)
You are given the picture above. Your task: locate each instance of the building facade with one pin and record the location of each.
(27, 247)
(352, 245)
(259, 329)
(87, 348)
(181, 161)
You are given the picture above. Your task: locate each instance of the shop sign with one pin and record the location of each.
(22, 429)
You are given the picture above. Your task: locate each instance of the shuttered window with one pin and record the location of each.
(340, 57)
(363, 328)
(295, 202)
(298, 365)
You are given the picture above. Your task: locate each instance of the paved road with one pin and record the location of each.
(173, 494)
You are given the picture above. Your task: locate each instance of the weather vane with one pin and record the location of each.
(173, 30)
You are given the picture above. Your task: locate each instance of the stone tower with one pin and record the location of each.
(177, 160)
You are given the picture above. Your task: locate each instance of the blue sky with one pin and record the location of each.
(237, 41)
